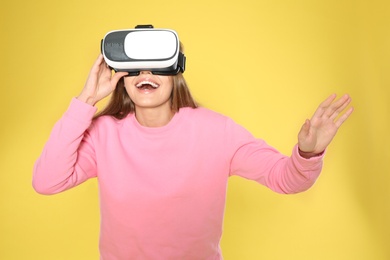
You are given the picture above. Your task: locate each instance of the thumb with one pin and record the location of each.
(305, 128)
(117, 76)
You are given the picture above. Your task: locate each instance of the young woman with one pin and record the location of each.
(163, 163)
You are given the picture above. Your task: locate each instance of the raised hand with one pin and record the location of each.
(100, 82)
(317, 133)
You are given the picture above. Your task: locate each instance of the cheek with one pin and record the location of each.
(128, 85)
(128, 81)
(168, 83)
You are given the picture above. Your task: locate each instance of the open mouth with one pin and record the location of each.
(147, 85)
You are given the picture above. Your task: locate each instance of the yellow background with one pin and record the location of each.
(266, 64)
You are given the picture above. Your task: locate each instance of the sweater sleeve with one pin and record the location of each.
(254, 159)
(68, 157)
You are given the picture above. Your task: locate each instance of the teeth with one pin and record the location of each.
(145, 82)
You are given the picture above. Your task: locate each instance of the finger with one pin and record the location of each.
(344, 117)
(105, 72)
(117, 76)
(97, 68)
(334, 109)
(324, 105)
(338, 108)
(98, 62)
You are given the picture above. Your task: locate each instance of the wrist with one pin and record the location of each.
(308, 155)
(87, 100)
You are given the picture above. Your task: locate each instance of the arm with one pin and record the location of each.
(68, 157)
(257, 161)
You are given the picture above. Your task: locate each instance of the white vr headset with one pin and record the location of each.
(143, 48)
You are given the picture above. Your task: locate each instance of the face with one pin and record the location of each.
(149, 91)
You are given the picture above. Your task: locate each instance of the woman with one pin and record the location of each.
(163, 163)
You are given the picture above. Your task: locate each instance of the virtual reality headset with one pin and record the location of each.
(143, 49)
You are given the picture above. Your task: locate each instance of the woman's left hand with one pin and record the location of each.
(317, 133)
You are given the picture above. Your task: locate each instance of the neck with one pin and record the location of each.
(153, 117)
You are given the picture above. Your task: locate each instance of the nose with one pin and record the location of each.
(145, 72)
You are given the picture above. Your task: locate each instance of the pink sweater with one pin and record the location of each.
(162, 190)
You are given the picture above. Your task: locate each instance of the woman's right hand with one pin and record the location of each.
(100, 82)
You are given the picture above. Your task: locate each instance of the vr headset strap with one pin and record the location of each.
(181, 63)
(142, 26)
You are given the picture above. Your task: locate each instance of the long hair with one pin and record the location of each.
(120, 104)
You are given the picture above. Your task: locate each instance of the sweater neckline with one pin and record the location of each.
(156, 130)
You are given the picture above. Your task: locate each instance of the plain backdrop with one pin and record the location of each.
(266, 64)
